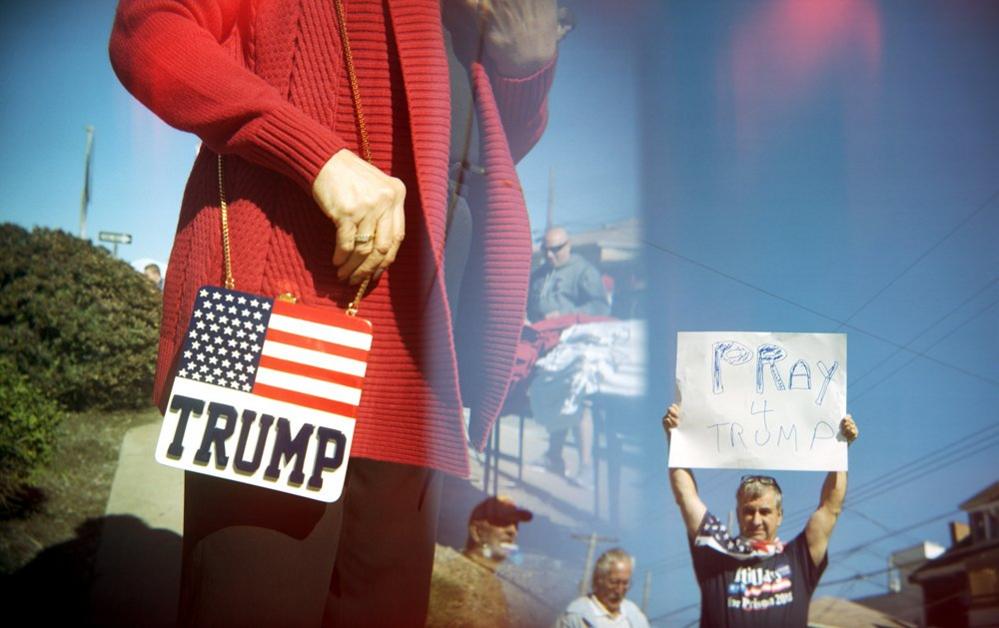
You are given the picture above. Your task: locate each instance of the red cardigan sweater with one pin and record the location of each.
(263, 82)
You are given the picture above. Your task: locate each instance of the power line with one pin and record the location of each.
(904, 474)
(923, 353)
(711, 480)
(926, 330)
(846, 588)
(987, 437)
(675, 611)
(955, 458)
(856, 511)
(842, 556)
(819, 314)
(846, 563)
(669, 564)
(855, 577)
(923, 255)
(896, 478)
(913, 526)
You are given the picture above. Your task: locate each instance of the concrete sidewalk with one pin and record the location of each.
(137, 568)
(144, 488)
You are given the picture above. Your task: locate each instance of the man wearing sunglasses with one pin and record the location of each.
(754, 579)
(565, 283)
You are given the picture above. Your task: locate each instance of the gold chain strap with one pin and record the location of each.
(355, 91)
(230, 283)
(355, 94)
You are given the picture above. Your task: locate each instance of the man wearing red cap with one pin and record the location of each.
(467, 589)
(492, 531)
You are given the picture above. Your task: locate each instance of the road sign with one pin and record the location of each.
(117, 238)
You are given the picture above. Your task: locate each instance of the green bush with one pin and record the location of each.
(80, 324)
(28, 420)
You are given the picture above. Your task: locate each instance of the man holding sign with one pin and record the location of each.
(759, 401)
(754, 579)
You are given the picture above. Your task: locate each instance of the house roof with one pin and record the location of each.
(953, 558)
(835, 611)
(906, 604)
(986, 496)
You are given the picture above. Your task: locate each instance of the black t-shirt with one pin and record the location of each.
(770, 591)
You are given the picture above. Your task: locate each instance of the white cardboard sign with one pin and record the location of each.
(753, 400)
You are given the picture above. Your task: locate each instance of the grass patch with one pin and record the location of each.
(71, 489)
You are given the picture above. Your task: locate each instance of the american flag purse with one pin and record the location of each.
(266, 389)
(266, 393)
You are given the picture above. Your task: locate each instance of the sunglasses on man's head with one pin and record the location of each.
(765, 480)
(556, 248)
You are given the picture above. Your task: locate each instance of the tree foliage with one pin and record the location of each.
(81, 325)
(28, 420)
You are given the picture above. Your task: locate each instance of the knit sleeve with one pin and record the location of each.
(523, 106)
(169, 54)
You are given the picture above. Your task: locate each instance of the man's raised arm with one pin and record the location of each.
(823, 520)
(682, 481)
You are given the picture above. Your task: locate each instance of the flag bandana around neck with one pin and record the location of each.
(713, 534)
(266, 393)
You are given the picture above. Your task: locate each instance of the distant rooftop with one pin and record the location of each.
(986, 496)
(835, 611)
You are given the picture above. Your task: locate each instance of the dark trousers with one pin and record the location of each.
(255, 557)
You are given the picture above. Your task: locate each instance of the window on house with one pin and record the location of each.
(984, 525)
(984, 583)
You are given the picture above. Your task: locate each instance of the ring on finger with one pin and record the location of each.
(363, 239)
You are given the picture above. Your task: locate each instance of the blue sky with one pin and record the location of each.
(826, 170)
(807, 165)
(140, 164)
(52, 93)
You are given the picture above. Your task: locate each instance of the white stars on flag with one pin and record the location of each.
(222, 345)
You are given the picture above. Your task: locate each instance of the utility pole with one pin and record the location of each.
(550, 218)
(85, 195)
(591, 540)
(645, 592)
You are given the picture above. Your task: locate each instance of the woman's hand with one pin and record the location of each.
(366, 205)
